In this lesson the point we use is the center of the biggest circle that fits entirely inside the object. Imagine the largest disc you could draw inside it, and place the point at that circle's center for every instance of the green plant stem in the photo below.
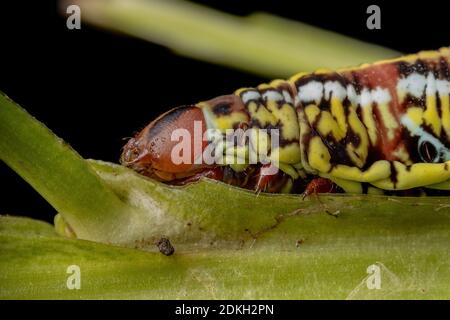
(260, 43)
(305, 258)
(58, 173)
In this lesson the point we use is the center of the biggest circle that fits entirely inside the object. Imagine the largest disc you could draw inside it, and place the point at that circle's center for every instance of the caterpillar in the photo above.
(377, 128)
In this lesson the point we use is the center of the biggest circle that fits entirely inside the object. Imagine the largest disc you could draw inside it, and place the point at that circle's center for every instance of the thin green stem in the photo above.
(261, 43)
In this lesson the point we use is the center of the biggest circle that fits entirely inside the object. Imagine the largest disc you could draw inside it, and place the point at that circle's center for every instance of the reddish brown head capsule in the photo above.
(150, 151)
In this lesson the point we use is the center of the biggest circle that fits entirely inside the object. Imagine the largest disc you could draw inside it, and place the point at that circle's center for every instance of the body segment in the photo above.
(381, 126)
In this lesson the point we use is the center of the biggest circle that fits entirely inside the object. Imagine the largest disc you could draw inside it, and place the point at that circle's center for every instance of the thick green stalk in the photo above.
(58, 173)
(261, 43)
(309, 257)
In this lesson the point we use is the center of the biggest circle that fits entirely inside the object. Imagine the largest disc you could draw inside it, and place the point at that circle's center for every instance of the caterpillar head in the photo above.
(155, 151)
(150, 152)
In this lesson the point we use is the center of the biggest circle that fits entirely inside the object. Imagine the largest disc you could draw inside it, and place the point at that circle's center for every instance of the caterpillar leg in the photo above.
(267, 181)
(320, 185)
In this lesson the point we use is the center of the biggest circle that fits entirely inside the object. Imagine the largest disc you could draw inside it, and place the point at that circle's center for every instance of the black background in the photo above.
(283, 309)
(94, 88)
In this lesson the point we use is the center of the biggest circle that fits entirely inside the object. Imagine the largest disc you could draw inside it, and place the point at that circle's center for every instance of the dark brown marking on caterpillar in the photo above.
(405, 69)
(393, 175)
(168, 117)
(222, 109)
(444, 68)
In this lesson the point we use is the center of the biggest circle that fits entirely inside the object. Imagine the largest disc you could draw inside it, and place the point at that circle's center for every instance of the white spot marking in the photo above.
(250, 95)
(287, 97)
(366, 98)
(335, 89)
(431, 85)
(312, 91)
(272, 95)
(413, 84)
(354, 98)
(443, 87)
(381, 95)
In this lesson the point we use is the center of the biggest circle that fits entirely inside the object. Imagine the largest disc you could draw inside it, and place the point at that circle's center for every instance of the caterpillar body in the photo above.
(377, 128)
